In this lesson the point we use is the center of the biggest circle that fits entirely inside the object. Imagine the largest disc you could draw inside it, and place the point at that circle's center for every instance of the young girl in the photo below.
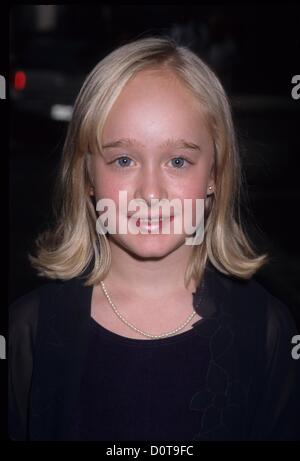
(139, 335)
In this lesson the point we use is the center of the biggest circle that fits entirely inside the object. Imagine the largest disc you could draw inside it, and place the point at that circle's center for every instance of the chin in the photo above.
(151, 245)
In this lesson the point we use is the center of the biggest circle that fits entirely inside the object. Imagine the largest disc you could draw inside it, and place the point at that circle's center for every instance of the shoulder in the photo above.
(249, 302)
(56, 300)
(262, 326)
(23, 312)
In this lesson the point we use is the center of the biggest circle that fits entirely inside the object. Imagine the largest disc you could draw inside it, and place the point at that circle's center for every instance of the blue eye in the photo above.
(125, 161)
(178, 160)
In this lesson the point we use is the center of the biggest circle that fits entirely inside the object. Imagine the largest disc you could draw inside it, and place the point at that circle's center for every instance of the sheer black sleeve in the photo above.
(23, 318)
(277, 414)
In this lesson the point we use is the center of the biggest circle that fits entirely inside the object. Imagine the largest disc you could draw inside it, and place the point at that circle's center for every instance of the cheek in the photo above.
(108, 186)
(106, 190)
(194, 187)
(192, 191)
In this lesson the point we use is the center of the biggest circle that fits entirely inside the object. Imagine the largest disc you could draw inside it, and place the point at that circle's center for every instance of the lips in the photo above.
(149, 222)
(153, 219)
(153, 223)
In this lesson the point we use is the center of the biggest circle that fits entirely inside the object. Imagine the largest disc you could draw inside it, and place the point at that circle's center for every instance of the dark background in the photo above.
(255, 50)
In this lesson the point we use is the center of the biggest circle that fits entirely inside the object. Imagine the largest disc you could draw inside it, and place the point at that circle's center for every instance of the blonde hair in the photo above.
(74, 245)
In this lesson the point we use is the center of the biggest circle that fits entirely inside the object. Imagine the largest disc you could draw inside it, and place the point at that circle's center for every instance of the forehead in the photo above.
(155, 105)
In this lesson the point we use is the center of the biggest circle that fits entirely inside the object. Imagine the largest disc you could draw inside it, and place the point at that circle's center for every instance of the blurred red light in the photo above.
(20, 80)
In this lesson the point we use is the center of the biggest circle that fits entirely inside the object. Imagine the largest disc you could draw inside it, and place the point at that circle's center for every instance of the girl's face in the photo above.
(151, 119)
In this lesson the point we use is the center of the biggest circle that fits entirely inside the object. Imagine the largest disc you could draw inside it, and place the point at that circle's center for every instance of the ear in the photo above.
(210, 188)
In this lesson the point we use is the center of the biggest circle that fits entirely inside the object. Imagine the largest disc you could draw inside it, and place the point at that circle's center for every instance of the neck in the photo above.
(151, 277)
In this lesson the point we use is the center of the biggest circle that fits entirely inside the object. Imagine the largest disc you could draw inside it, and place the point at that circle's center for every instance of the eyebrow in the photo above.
(176, 143)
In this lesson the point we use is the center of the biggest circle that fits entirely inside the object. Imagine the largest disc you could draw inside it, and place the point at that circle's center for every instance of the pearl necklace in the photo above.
(163, 335)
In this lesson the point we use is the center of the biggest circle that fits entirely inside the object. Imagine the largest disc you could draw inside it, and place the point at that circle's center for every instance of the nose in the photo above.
(150, 185)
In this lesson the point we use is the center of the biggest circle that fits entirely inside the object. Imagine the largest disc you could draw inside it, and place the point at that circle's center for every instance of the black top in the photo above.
(133, 384)
(231, 377)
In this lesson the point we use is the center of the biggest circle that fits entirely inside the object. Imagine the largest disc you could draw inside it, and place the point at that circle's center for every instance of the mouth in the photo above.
(155, 222)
